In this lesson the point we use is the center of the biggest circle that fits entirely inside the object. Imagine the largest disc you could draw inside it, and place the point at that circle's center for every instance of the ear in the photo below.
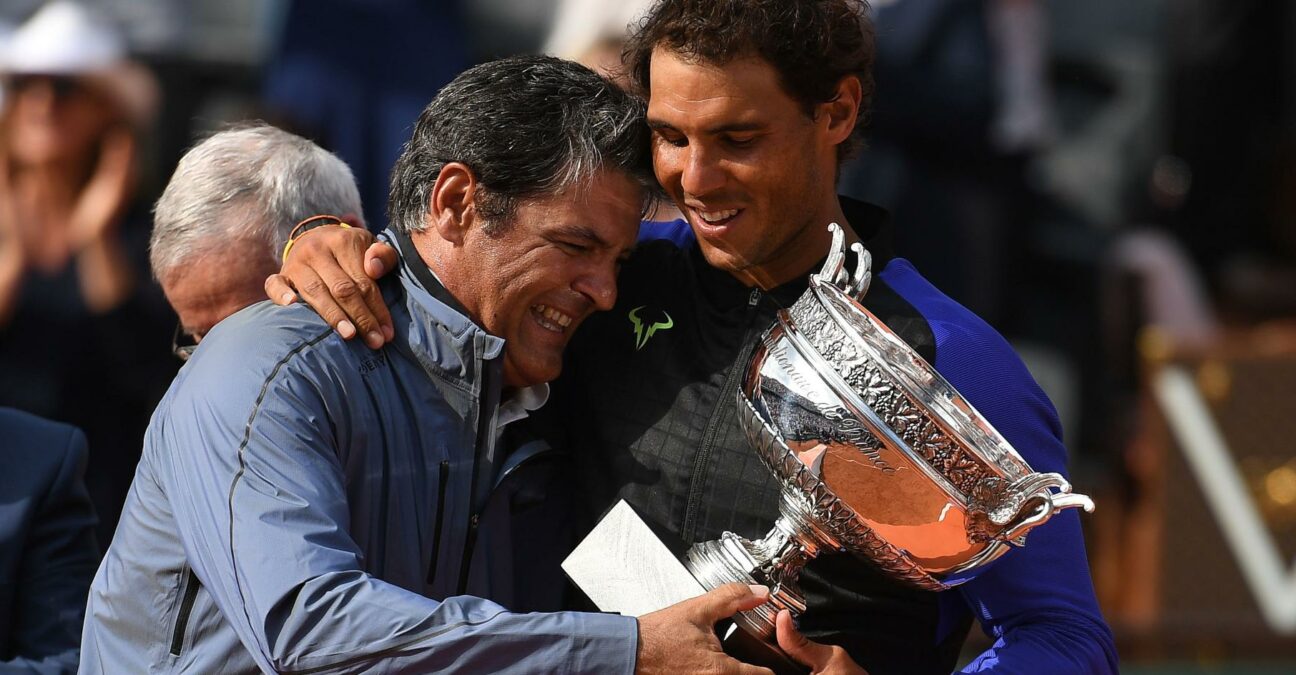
(841, 113)
(450, 207)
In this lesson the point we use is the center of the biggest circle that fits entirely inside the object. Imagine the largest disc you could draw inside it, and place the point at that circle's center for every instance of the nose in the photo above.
(701, 172)
(599, 284)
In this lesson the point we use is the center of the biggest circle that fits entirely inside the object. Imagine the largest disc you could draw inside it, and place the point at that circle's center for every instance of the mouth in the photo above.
(714, 219)
(550, 318)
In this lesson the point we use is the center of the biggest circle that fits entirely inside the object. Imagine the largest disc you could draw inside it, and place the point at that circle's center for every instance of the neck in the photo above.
(429, 247)
(800, 255)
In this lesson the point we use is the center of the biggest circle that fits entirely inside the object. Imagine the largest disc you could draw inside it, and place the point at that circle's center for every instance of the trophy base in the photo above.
(733, 559)
(624, 567)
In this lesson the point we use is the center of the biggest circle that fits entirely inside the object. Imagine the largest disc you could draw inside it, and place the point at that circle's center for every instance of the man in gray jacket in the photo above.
(304, 504)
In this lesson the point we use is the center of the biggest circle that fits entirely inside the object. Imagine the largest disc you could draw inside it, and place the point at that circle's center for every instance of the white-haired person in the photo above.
(222, 222)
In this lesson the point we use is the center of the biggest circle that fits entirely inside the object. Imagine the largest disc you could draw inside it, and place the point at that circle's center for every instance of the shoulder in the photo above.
(39, 458)
(261, 340)
(31, 441)
(654, 261)
(984, 368)
(263, 356)
(25, 430)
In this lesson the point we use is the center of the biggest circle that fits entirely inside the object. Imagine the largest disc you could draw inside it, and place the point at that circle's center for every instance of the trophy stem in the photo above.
(775, 561)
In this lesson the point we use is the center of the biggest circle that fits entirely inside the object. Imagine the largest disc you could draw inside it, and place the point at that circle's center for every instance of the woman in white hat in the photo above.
(72, 104)
(79, 324)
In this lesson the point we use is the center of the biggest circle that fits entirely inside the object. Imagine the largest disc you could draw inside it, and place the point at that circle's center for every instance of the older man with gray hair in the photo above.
(226, 214)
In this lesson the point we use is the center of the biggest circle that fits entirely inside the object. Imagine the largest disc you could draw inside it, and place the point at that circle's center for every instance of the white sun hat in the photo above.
(66, 38)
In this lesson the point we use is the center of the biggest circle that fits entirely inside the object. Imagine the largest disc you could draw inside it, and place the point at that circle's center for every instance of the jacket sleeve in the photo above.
(58, 560)
(257, 488)
(1036, 602)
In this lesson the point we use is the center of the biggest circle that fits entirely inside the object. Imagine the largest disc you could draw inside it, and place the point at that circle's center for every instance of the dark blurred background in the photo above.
(1111, 184)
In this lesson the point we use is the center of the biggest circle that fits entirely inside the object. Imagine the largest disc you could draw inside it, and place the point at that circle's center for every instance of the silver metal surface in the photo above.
(877, 454)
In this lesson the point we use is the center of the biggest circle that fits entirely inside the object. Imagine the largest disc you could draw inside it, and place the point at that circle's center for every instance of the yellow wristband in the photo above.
(307, 226)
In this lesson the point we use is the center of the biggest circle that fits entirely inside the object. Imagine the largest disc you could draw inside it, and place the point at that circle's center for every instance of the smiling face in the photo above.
(534, 281)
(751, 171)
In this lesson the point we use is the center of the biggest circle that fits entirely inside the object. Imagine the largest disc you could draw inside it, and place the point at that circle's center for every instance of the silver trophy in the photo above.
(877, 454)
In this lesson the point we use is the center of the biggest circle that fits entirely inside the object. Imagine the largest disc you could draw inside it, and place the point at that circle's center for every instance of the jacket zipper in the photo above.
(186, 608)
(443, 481)
(483, 428)
(469, 542)
(703, 459)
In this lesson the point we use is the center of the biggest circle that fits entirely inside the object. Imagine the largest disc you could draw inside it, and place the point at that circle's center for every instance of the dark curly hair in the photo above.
(527, 126)
(812, 44)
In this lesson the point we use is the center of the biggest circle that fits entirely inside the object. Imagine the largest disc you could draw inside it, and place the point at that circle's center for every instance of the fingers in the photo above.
(380, 258)
(278, 290)
(728, 600)
(801, 649)
(352, 295)
(821, 659)
(360, 297)
(315, 291)
(327, 267)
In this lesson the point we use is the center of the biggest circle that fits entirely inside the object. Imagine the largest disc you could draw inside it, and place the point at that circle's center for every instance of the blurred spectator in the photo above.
(929, 159)
(351, 75)
(78, 333)
(1230, 143)
(47, 544)
(593, 33)
(225, 216)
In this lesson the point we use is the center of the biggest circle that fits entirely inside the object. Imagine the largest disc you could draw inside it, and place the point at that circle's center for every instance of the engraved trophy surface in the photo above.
(876, 453)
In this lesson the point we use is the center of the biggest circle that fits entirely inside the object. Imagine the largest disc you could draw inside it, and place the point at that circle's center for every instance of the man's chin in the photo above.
(722, 257)
(522, 375)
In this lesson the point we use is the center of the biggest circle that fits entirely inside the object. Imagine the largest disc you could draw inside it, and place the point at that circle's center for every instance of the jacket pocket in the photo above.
(190, 594)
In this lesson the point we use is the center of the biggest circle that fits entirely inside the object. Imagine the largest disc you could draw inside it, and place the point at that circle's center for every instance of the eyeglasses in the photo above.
(62, 87)
(183, 344)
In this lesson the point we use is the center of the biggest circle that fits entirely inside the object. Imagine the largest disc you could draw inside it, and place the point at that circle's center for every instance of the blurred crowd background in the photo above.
(1111, 184)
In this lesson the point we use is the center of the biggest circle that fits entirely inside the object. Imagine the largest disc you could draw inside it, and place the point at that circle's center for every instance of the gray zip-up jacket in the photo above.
(304, 505)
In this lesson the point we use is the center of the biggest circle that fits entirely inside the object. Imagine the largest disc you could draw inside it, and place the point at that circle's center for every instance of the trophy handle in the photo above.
(1026, 503)
(834, 271)
(1045, 508)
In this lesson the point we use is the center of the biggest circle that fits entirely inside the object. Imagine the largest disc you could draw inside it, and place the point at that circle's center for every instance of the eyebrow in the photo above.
(719, 129)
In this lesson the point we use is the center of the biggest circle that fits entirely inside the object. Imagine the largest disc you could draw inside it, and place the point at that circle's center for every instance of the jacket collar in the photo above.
(438, 320)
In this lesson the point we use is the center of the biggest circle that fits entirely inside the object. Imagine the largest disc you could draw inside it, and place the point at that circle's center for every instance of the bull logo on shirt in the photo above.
(644, 333)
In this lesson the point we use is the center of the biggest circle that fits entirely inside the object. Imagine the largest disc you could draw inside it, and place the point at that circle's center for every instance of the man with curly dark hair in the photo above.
(753, 104)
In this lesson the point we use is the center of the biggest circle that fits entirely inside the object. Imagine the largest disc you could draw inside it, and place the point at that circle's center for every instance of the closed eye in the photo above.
(740, 141)
(676, 140)
(572, 248)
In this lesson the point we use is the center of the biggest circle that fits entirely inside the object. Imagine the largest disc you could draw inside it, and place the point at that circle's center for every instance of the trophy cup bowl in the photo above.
(877, 454)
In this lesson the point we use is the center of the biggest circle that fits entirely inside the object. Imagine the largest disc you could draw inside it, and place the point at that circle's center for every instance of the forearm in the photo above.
(1058, 644)
(350, 621)
(10, 287)
(105, 275)
(1038, 603)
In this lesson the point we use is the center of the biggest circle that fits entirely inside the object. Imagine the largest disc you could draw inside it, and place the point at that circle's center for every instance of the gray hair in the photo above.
(247, 184)
(527, 126)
